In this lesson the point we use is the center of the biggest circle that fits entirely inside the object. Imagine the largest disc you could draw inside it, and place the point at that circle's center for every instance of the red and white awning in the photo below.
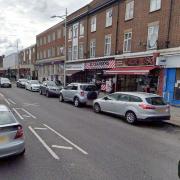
(138, 70)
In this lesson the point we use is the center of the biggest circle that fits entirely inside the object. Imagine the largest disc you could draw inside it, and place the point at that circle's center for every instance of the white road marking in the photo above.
(62, 147)
(54, 155)
(18, 114)
(11, 101)
(34, 117)
(25, 115)
(7, 102)
(28, 104)
(38, 128)
(1, 95)
(67, 140)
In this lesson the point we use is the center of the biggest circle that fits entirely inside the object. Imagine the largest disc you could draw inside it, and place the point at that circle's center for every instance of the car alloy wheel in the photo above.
(97, 108)
(76, 102)
(61, 99)
(131, 117)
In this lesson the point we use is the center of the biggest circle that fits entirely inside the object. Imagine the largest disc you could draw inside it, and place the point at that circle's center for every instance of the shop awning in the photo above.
(138, 70)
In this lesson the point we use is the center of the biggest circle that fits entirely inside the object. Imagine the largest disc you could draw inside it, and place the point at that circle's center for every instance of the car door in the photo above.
(73, 92)
(66, 92)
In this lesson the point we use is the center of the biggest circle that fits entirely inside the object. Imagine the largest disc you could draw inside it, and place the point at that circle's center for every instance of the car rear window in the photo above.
(6, 118)
(88, 88)
(157, 101)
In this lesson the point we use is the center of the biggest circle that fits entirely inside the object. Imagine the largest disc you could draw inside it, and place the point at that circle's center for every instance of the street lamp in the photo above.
(64, 17)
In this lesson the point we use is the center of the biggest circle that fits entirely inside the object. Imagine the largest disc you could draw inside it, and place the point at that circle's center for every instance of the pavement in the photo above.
(68, 143)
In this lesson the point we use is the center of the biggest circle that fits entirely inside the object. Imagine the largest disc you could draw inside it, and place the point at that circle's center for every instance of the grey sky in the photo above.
(22, 20)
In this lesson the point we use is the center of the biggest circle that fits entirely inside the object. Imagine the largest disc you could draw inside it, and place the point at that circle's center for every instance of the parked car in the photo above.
(78, 93)
(50, 88)
(5, 82)
(11, 134)
(134, 106)
(21, 83)
(32, 85)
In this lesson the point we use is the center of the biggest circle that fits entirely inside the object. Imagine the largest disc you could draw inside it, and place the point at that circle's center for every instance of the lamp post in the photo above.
(64, 17)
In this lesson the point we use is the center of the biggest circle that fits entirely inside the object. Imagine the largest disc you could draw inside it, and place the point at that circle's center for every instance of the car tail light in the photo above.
(19, 133)
(146, 106)
(82, 93)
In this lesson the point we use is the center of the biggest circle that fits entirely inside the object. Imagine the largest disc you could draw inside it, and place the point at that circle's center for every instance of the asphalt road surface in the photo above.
(68, 143)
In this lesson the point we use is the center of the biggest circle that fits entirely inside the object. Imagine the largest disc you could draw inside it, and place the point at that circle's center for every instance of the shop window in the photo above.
(129, 10)
(107, 45)
(155, 5)
(109, 18)
(153, 31)
(127, 42)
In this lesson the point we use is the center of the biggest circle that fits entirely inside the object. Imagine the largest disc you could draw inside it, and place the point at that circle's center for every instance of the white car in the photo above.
(5, 82)
(32, 85)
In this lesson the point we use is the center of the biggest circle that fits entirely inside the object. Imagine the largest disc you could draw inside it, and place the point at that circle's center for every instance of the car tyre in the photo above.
(97, 108)
(61, 99)
(76, 102)
(131, 117)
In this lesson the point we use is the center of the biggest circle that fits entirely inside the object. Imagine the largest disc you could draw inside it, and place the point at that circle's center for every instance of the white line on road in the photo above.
(62, 147)
(38, 128)
(7, 102)
(54, 155)
(1, 95)
(29, 113)
(18, 114)
(11, 101)
(67, 140)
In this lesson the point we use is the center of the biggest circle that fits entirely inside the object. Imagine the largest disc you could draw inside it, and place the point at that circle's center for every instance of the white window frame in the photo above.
(70, 53)
(153, 33)
(127, 41)
(109, 15)
(75, 52)
(129, 13)
(107, 45)
(81, 50)
(70, 33)
(155, 5)
(93, 24)
(81, 29)
(92, 48)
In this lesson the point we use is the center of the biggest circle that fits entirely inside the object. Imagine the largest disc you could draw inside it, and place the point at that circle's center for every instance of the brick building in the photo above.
(27, 60)
(51, 53)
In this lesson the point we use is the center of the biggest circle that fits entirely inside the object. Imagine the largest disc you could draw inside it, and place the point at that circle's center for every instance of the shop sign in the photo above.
(100, 64)
(140, 61)
(72, 67)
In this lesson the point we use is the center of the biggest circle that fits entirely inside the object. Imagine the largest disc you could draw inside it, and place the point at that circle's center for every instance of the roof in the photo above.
(3, 108)
(141, 94)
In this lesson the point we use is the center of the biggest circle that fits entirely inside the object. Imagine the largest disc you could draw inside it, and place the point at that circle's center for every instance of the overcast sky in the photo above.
(22, 20)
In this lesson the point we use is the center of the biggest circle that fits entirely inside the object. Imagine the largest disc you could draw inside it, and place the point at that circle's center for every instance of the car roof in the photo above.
(81, 84)
(140, 94)
(3, 108)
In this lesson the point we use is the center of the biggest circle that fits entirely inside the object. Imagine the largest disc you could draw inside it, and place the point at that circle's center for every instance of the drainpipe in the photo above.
(117, 28)
(169, 24)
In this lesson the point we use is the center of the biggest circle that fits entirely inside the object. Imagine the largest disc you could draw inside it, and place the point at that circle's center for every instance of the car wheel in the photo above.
(97, 108)
(61, 99)
(47, 94)
(23, 152)
(76, 102)
(131, 117)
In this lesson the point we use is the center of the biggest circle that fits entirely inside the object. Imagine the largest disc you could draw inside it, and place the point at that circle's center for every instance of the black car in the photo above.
(21, 83)
(50, 88)
(5, 82)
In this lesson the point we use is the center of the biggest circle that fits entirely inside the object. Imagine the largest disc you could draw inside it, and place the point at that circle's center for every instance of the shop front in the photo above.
(171, 90)
(137, 74)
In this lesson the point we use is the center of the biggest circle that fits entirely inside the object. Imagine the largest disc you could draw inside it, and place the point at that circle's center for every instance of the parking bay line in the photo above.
(28, 113)
(67, 140)
(11, 101)
(7, 101)
(53, 154)
(62, 147)
(18, 114)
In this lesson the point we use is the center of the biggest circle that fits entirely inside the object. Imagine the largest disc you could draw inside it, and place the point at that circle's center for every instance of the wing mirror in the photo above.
(106, 98)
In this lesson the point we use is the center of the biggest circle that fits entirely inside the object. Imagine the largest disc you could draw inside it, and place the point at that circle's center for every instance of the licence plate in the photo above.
(162, 110)
(3, 139)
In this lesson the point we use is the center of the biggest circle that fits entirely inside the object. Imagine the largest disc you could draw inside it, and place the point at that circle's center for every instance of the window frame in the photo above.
(129, 12)
(93, 48)
(93, 24)
(81, 29)
(126, 41)
(156, 8)
(107, 44)
(109, 19)
(81, 53)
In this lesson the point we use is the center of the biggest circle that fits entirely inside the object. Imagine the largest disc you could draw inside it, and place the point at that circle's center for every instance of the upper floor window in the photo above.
(81, 29)
(44, 53)
(44, 40)
(129, 10)
(54, 36)
(75, 52)
(37, 42)
(153, 30)
(70, 33)
(107, 45)
(155, 5)
(109, 18)
(93, 24)
(49, 53)
(49, 38)
(40, 41)
(93, 48)
(75, 30)
(69, 53)
(59, 33)
(53, 51)
(81, 51)
(127, 41)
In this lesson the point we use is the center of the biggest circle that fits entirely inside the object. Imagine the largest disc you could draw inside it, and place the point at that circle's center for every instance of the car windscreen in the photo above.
(6, 118)
(156, 101)
(88, 87)
(34, 82)
(5, 80)
(23, 80)
(52, 83)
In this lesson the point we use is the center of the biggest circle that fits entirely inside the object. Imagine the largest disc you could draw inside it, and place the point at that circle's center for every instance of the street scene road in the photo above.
(65, 142)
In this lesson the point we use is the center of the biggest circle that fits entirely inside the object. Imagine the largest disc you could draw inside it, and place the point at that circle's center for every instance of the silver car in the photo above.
(32, 85)
(134, 106)
(78, 93)
(11, 134)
